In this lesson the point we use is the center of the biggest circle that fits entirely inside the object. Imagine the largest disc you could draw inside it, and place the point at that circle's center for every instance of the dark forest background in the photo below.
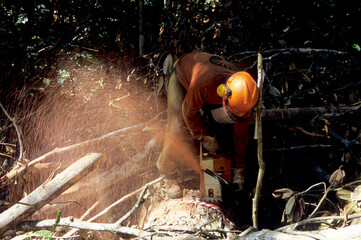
(34, 32)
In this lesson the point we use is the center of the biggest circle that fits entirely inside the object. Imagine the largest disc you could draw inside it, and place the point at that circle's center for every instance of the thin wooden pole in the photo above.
(258, 135)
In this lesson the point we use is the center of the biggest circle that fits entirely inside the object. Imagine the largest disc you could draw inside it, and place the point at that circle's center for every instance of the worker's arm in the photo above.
(192, 103)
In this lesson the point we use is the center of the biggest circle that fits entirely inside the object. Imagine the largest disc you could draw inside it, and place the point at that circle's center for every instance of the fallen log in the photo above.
(303, 113)
(349, 232)
(47, 191)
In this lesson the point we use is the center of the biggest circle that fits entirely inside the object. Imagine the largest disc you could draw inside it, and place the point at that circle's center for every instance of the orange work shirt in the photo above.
(200, 74)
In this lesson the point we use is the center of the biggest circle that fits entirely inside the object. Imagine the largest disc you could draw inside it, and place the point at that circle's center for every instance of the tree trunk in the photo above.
(303, 113)
(141, 35)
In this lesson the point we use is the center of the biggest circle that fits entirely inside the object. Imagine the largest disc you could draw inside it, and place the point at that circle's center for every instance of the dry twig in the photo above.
(106, 210)
(136, 206)
(17, 132)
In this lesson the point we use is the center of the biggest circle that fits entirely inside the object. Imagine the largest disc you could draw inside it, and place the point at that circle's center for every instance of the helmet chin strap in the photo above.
(231, 115)
(228, 93)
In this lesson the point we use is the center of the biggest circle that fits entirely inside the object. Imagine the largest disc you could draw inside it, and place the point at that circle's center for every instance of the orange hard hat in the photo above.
(241, 94)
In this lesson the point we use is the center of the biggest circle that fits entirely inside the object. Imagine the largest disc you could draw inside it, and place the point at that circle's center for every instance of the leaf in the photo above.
(274, 91)
(290, 206)
(305, 77)
(9, 150)
(160, 85)
(349, 207)
(167, 65)
(57, 220)
(357, 47)
(282, 193)
(356, 194)
(344, 194)
(337, 177)
(42, 233)
(292, 66)
(298, 211)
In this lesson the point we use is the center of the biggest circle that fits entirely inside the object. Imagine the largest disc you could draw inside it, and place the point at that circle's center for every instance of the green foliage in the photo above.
(33, 32)
(357, 47)
(57, 220)
(45, 234)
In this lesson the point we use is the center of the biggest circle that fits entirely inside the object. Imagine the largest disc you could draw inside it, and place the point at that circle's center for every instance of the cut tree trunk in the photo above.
(48, 191)
(304, 113)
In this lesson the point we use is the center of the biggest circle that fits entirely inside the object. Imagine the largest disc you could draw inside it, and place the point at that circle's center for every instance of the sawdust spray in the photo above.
(82, 102)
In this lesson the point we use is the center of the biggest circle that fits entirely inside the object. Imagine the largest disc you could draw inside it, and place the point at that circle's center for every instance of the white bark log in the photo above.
(350, 232)
(48, 191)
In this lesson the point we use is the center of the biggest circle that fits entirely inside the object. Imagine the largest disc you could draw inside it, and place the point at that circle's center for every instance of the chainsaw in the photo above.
(217, 170)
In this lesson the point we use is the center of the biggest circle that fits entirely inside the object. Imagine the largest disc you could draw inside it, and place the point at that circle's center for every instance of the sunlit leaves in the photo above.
(43, 234)
(356, 195)
(344, 194)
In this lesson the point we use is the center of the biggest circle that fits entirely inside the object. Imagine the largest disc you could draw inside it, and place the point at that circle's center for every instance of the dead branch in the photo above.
(190, 229)
(6, 155)
(283, 51)
(89, 210)
(6, 179)
(321, 201)
(17, 132)
(48, 191)
(258, 131)
(106, 210)
(350, 232)
(308, 133)
(72, 222)
(302, 147)
(136, 206)
(123, 199)
(8, 144)
(124, 232)
(318, 220)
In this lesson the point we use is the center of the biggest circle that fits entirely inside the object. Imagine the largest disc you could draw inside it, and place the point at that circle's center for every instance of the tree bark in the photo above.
(141, 35)
(305, 113)
(290, 114)
(48, 191)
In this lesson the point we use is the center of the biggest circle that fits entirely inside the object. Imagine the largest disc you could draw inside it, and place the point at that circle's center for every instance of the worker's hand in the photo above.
(211, 144)
(238, 178)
